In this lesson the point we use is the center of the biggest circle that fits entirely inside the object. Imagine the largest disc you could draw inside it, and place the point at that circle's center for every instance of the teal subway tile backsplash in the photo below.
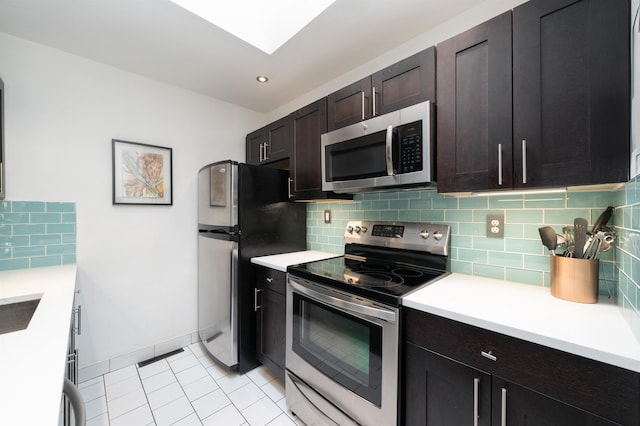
(35, 234)
(519, 256)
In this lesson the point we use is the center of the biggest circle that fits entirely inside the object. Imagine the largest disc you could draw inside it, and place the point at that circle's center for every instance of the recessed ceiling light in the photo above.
(262, 78)
(263, 24)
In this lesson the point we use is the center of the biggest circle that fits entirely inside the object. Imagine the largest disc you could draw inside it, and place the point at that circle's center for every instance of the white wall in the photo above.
(136, 264)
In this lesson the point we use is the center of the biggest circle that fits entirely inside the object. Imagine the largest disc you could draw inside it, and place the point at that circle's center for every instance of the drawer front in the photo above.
(605, 390)
(272, 279)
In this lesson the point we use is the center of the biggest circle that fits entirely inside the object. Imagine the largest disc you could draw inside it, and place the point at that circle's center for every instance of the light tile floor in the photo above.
(186, 389)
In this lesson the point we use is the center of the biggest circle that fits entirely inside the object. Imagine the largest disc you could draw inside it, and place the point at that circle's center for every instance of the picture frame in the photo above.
(142, 173)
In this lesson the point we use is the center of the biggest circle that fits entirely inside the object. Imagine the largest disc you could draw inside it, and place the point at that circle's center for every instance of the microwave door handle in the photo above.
(389, 147)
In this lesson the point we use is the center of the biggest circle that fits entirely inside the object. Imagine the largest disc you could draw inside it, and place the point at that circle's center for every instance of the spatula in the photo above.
(580, 235)
(549, 238)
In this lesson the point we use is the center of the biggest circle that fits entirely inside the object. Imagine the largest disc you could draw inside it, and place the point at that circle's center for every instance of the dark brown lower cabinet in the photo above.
(270, 319)
(457, 374)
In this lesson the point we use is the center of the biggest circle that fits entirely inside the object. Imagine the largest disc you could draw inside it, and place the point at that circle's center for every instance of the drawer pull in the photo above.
(489, 355)
(476, 410)
(269, 279)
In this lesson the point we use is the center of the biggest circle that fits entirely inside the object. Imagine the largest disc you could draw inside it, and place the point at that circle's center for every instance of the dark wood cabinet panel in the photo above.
(571, 92)
(308, 124)
(270, 144)
(439, 391)
(584, 384)
(474, 108)
(555, 114)
(523, 407)
(405, 83)
(270, 319)
(349, 105)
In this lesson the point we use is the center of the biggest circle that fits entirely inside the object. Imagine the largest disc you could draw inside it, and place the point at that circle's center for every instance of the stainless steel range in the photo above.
(343, 321)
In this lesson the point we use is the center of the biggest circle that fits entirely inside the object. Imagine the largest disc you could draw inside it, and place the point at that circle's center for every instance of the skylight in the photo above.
(266, 24)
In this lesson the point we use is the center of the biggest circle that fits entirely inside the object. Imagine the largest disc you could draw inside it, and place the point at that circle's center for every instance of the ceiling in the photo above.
(160, 40)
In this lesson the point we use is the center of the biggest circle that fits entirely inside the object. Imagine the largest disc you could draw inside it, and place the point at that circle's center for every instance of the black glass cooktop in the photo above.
(381, 280)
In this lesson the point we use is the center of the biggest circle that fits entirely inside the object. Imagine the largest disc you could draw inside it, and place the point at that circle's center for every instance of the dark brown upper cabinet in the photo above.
(402, 84)
(556, 113)
(308, 124)
(270, 144)
(571, 92)
(474, 119)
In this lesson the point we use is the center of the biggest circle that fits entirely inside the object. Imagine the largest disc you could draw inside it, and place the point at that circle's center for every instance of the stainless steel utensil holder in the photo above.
(574, 279)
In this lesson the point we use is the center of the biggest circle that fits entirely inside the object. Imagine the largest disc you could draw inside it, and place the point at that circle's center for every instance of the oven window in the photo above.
(343, 347)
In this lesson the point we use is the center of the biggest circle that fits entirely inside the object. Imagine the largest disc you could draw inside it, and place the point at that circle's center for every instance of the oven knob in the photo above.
(437, 235)
(358, 229)
(364, 229)
(424, 234)
(350, 229)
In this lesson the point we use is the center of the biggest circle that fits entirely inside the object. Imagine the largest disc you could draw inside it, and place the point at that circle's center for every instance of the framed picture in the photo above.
(142, 174)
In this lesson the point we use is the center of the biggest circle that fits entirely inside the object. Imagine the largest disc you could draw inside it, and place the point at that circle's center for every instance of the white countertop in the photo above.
(597, 331)
(33, 361)
(280, 262)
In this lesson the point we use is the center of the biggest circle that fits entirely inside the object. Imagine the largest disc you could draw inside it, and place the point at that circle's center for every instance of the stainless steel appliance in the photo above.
(243, 212)
(343, 322)
(390, 150)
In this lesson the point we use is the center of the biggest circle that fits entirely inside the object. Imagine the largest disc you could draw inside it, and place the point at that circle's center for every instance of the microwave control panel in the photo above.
(410, 145)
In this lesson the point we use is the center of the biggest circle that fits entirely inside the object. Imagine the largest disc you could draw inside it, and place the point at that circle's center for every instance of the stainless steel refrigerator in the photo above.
(243, 212)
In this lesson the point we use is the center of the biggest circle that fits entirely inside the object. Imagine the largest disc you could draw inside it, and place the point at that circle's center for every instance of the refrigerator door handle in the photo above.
(234, 298)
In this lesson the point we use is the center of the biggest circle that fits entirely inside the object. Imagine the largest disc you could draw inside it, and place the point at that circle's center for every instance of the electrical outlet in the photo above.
(327, 216)
(495, 226)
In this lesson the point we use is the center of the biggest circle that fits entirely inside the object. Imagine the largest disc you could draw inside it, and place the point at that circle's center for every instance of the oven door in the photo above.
(342, 356)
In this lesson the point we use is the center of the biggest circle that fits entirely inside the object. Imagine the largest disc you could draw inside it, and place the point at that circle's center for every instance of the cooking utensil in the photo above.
(580, 235)
(596, 242)
(549, 238)
(602, 220)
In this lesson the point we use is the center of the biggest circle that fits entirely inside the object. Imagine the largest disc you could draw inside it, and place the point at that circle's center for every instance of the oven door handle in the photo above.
(369, 311)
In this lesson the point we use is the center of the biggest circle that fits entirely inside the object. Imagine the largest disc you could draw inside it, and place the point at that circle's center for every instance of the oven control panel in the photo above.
(427, 237)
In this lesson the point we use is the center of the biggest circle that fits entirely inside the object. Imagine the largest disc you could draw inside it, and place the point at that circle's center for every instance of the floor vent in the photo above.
(159, 357)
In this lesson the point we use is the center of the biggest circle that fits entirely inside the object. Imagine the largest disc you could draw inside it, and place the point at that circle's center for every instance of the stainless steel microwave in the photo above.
(387, 151)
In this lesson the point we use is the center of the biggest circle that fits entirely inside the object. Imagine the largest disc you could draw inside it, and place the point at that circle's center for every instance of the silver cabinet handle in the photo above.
(269, 279)
(476, 391)
(266, 150)
(260, 155)
(363, 117)
(389, 147)
(373, 104)
(500, 164)
(289, 187)
(255, 299)
(524, 161)
(503, 413)
(489, 355)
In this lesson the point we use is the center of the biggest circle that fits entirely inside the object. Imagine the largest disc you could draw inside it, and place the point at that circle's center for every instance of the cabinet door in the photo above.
(474, 115)
(255, 146)
(279, 137)
(349, 105)
(405, 83)
(571, 86)
(308, 124)
(439, 391)
(517, 406)
(272, 331)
